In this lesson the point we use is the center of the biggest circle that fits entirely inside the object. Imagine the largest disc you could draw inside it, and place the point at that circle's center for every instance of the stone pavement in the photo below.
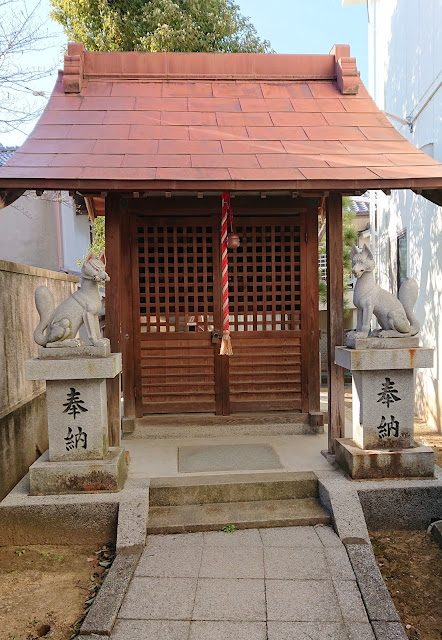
(293, 583)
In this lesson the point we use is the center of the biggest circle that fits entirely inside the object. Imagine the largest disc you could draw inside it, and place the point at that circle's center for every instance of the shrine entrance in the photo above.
(178, 319)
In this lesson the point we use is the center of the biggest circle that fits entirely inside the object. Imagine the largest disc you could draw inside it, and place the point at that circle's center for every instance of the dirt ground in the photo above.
(431, 438)
(43, 590)
(411, 565)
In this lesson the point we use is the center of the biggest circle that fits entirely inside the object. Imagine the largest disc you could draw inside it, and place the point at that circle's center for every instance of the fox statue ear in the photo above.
(367, 251)
(89, 258)
(354, 251)
(102, 259)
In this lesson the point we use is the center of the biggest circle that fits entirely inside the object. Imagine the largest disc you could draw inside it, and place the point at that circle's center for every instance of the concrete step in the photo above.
(230, 488)
(209, 425)
(244, 515)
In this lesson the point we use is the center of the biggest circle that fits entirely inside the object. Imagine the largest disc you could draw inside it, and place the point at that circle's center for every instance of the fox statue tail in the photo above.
(44, 301)
(407, 295)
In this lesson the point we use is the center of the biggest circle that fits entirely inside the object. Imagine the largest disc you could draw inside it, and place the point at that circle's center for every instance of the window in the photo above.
(401, 259)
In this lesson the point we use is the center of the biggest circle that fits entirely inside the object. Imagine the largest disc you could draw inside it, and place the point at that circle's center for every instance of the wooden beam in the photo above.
(113, 311)
(335, 318)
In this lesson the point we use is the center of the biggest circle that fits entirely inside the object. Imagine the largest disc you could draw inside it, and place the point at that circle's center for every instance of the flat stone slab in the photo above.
(74, 368)
(83, 351)
(417, 462)
(240, 457)
(80, 476)
(232, 488)
(383, 359)
(382, 343)
(244, 515)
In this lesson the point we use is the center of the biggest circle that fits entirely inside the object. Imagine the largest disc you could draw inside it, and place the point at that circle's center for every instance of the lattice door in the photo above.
(177, 275)
(265, 295)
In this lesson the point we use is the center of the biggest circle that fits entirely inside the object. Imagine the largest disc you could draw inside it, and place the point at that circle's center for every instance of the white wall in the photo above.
(28, 232)
(408, 61)
(75, 231)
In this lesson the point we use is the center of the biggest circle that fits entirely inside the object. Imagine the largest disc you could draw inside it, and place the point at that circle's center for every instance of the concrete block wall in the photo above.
(23, 419)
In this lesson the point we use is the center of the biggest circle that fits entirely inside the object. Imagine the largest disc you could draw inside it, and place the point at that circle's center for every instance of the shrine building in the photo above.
(160, 144)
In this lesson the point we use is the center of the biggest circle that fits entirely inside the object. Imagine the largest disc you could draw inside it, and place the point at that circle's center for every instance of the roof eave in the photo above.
(216, 185)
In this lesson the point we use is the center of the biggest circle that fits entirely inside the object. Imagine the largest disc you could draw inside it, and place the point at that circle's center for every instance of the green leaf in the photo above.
(158, 25)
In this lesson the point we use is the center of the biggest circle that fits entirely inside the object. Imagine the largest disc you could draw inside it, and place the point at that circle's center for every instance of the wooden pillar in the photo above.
(126, 310)
(335, 319)
(312, 301)
(113, 311)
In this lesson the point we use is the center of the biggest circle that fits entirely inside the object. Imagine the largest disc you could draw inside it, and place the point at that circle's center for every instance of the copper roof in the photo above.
(215, 121)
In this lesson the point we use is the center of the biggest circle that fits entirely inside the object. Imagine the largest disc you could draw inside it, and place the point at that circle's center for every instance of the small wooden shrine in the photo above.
(153, 141)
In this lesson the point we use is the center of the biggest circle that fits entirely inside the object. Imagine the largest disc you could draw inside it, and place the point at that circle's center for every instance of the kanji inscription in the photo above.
(388, 429)
(74, 406)
(388, 395)
(76, 440)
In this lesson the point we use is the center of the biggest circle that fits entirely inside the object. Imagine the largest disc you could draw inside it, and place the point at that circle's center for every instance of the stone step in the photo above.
(208, 425)
(250, 487)
(244, 515)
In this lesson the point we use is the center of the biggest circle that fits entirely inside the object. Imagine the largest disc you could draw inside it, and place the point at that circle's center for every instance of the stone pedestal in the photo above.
(79, 457)
(383, 409)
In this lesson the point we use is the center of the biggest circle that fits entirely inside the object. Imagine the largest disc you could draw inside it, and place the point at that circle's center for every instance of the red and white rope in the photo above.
(225, 348)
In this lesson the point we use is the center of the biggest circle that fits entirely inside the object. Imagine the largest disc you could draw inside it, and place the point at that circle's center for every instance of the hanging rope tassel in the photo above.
(226, 345)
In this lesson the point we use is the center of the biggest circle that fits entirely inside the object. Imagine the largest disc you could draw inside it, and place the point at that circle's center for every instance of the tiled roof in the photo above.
(359, 204)
(6, 153)
(235, 121)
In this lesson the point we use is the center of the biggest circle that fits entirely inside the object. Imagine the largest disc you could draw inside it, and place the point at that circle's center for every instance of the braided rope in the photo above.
(226, 348)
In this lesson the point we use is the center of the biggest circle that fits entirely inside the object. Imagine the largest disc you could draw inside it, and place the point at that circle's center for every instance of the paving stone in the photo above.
(230, 599)
(302, 601)
(327, 536)
(241, 538)
(227, 457)
(389, 631)
(104, 610)
(174, 540)
(159, 598)
(377, 600)
(290, 537)
(339, 564)
(132, 518)
(359, 631)
(306, 631)
(225, 562)
(295, 564)
(181, 562)
(150, 630)
(350, 601)
(227, 630)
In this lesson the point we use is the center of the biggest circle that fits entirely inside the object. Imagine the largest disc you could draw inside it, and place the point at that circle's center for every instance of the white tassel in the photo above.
(226, 345)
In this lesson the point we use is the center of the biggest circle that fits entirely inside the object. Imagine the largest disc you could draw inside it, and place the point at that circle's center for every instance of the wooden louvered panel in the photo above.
(177, 261)
(265, 373)
(178, 278)
(178, 379)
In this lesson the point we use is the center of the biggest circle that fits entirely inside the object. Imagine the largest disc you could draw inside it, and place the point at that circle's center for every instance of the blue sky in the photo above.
(292, 26)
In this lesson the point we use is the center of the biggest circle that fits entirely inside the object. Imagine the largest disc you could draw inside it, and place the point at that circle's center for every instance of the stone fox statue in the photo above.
(83, 306)
(395, 315)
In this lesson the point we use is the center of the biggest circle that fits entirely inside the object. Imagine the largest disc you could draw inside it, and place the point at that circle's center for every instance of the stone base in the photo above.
(82, 351)
(417, 462)
(381, 343)
(82, 476)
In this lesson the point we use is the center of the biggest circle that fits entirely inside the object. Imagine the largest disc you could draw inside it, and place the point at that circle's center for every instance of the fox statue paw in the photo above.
(357, 334)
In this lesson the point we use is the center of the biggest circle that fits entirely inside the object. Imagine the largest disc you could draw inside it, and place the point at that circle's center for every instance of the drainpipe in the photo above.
(58, 220)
